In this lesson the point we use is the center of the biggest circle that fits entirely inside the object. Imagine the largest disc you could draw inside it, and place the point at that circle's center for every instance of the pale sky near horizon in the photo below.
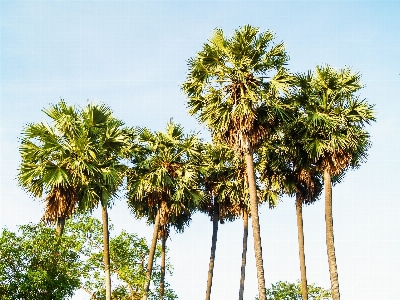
(132, 55)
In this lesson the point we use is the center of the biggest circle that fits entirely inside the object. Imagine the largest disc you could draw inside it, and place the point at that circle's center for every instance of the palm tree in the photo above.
(163, 184)
(108, 141)
(75, 162)
(284, 160)
(228, 92)
(333, 134)
(237, 193)
(218, 172)
(225, 184)
(244, 253)
(48, 164)
(308, 187)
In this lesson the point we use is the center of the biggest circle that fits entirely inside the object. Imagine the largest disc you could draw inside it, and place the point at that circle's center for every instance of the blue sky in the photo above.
(132, 55)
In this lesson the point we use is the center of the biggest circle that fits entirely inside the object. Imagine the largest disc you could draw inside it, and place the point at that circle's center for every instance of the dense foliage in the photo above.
(284, 290)
(37, 263)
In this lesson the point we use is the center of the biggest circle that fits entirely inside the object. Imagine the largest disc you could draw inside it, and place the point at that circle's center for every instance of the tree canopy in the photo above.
(36, 263)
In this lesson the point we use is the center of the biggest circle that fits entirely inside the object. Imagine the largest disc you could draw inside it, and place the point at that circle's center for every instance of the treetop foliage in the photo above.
(37, 263)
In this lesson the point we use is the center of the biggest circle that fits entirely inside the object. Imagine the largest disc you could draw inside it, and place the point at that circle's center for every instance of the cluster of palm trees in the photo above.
(273, 133)
(300, 129)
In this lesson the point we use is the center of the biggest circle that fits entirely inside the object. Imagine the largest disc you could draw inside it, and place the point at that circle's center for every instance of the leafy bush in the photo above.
(283, 290)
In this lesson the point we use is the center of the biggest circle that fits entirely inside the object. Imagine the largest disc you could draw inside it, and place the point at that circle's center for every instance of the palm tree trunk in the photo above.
(106, 257)
(213, 249)
(300, 232)
(132, 295)
(243, 268)
(162, 279)
(329, 236)
(60, 226)
(256, 225)
(151, 256)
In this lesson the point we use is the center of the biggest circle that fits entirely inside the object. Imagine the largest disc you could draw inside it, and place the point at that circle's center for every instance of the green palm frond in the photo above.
(227, 85)
(165, 172)
(78, 152)
(331, 117)
(224, 181)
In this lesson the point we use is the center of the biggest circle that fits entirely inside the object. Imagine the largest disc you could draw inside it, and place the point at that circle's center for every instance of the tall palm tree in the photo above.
(109, 141)
(235, 196)
(244, 253)
(225, 183)
(75, 161)
(237, 192)
(163, 184)
(308, 187)
(48, 165)
(218, 171)
(284, 161)
(333, 134)
(228, 91)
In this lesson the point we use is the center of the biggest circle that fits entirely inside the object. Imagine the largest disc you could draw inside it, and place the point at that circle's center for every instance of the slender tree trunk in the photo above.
(132, 296)
(60, 226)
(162, 279)
(151, 256)
(256, 225)
(106, 257)
(243, 268)
(300, 232)
(92, 295)
(329, 236)
(213, 249)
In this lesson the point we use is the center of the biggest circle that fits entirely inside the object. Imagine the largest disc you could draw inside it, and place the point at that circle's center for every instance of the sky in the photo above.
(132, 55)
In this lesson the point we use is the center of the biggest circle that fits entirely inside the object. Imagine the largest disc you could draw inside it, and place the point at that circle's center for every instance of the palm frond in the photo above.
(225, 84)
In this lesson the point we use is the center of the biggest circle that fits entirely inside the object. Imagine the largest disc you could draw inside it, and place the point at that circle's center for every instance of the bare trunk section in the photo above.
(162, 279)
(330, 245)
(244, 253)
(213, 249)
(106, 251)
(300, 232)
(151, 256)
(256, 225)
(60, 226)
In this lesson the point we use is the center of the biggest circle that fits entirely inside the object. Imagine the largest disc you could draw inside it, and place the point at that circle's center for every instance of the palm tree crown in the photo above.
(74, 160)
(228, 88)
(334, 117)
(50, 164)
(165, 173)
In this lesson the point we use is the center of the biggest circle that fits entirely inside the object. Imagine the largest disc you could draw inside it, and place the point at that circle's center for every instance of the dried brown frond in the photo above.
(164, 213)
(60, 203)
(164, 221)
(336, 161)
(163, 229)
(244, 133)
(234, 210)
(308, 188)
(171, 168)
(153, 199)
